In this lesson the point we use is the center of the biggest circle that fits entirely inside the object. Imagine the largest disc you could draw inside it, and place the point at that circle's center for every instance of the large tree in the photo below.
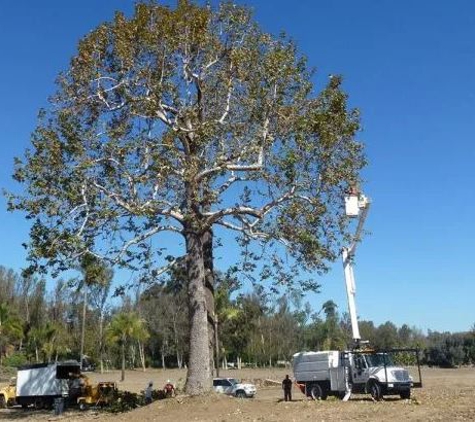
(183, 122)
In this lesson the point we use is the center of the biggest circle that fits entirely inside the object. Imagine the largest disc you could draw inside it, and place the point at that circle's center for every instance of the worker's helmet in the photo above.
(168, 381)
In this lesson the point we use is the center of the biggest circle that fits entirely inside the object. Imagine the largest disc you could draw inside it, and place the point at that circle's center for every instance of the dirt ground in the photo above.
(447, 395)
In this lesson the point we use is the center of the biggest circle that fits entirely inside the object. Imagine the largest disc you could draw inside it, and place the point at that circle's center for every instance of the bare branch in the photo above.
(135, 209)
(228, 96)
(86, 205)
(139, 239)
(258, 213)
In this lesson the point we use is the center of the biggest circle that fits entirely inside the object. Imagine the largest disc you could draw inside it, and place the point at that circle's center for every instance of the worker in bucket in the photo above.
(287, 387)
(148, 393)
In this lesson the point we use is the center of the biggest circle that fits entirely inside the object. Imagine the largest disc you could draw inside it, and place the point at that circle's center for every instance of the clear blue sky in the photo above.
(408, 65)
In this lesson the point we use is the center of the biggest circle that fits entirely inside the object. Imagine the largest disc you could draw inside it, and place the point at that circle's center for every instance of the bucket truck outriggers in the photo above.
(359, 369)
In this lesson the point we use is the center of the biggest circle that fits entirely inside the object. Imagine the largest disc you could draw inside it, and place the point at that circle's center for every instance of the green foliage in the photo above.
(162, 113)
(405, 358)
(126, 326)
(256, 327)
(15, 360)
(11, 329)
(124, 401)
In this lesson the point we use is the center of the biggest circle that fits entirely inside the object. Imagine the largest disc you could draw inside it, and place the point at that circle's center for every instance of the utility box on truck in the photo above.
(40, 384)
(320, 374)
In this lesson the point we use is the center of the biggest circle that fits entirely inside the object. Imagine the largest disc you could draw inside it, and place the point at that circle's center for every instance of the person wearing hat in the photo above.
(169, 389)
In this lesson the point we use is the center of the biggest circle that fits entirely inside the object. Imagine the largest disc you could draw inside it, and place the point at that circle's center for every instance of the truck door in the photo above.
(359, 370)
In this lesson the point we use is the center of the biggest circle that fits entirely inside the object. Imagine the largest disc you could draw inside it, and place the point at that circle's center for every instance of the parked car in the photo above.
(233, 387)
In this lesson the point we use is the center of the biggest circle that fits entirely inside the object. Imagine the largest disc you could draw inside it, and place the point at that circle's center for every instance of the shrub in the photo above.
(15, 360)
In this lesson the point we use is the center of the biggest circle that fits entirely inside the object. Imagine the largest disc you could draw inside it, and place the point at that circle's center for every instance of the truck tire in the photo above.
(376, 391)
(406, 394)
(240, 394)
(317, 392)
(83, 406)
(39, 404)
(3, 403)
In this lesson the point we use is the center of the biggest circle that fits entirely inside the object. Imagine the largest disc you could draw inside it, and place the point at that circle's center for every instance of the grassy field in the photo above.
(447, 395)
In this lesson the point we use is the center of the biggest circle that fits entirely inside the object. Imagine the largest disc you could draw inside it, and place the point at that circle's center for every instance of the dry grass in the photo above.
(448, 395)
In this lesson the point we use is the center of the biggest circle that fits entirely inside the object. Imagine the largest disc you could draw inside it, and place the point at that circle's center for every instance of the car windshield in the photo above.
(233, 381)
(379, 359)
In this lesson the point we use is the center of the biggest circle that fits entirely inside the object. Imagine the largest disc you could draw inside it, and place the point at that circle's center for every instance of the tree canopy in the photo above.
(180, 121)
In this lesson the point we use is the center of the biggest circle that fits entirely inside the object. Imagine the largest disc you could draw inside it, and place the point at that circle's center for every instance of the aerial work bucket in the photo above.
(352, 205)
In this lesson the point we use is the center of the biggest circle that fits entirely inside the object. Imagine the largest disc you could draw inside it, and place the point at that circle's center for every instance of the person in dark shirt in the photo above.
(287, 387)
(148, 393)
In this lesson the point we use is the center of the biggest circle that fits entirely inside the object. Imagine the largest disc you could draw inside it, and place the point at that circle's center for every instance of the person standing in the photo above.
(287, 387)
(148, 393)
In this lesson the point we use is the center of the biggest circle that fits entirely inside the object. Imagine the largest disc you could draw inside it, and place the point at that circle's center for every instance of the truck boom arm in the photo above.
(356, 206)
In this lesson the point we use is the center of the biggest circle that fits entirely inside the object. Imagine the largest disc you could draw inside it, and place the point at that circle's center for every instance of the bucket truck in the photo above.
(359, 369)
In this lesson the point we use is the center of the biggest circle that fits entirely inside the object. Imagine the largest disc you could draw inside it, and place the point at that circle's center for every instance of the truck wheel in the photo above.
(39, 404)
(406, 394)
(376, 391)
(317, 392)
(83, 406)
(240, 394)
(3, 403)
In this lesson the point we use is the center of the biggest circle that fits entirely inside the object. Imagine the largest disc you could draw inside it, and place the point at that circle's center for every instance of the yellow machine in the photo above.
(8, 394)
(100, 394)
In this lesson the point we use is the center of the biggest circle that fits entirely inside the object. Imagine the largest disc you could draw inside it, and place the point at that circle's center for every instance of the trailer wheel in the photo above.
(39, 404)
(406, 394)
(376, 391)
(317, 393)
(83, 406)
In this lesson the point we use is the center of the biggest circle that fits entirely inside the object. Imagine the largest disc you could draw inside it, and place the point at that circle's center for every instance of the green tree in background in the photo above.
(11, 330)
(184, 121)
(124, 328)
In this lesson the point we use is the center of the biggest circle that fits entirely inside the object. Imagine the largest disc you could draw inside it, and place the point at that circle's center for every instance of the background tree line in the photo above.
(150, 326)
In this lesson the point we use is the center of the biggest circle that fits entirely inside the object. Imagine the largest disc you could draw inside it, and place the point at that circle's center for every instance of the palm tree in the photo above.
(124, 328)
(96, 274)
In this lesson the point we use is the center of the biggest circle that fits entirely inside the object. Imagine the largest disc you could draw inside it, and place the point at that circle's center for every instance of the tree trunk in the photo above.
(132, 356)
(122, 352)
(162, 353)
(142, 354)
(101, 341)
(175, 339)
(199, 374)
(207, 240)
(83, 327)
